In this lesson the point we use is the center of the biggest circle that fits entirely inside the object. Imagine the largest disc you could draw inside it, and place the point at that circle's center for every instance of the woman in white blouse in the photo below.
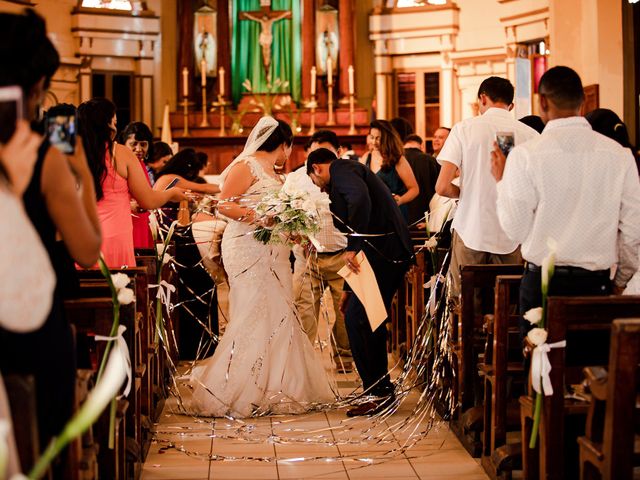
(25, 271)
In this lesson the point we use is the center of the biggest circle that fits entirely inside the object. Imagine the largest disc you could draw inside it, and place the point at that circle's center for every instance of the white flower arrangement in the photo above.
(294, 210)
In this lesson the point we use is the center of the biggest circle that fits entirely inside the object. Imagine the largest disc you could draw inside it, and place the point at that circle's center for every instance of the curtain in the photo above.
(246, 53)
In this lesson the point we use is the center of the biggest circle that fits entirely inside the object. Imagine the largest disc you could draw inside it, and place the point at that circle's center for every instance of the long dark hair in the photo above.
(608, 123)
(185, 164)
(94, 117)
(140, 132)
(391, 147)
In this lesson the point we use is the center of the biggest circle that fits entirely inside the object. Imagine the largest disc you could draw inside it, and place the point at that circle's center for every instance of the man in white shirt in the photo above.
(574, 186)
(478, 237)
(314, 271)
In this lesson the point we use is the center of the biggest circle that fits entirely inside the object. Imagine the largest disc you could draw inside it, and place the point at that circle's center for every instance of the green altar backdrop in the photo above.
(246, 54)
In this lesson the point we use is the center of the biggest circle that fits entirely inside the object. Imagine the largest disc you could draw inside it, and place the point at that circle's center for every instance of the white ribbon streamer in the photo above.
(124, 352)
(164, 294)
(541, 367)
(431, 284)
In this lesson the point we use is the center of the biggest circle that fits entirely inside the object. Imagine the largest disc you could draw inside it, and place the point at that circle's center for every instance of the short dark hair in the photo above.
(443, 128)
(533, 121)
(140, 132)
(26, 53)
(346, 145)
(413, 138)
(160, 149)
(319, 156)
(497, 89)
(403, 127)
(281, 134)
(185, 164)
(326, 136)
(562, 85)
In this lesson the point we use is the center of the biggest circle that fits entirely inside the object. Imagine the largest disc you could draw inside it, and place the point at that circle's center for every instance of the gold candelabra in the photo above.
(352, 115)
(205, 121)
(185, 116)
(331, 120)
(312, 121)
(221, 104)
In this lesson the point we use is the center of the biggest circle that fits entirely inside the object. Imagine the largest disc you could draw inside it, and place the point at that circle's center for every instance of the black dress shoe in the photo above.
(367, 408)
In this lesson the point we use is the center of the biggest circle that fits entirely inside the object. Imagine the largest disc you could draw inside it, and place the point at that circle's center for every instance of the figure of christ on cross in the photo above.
(266, 18)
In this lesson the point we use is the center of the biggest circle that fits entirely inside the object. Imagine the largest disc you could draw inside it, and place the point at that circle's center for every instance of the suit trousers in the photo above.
(312, 275)
(463, 255)
(369, 349)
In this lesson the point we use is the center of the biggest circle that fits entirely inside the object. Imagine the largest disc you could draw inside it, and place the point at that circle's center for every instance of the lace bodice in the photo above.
(263, 181)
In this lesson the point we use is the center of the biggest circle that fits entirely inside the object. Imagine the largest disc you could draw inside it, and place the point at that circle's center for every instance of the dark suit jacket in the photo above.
(363, 202)
(426, 172)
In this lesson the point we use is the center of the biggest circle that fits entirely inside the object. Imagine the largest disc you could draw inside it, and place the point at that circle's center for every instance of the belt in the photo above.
(326, 254)
(569, 271)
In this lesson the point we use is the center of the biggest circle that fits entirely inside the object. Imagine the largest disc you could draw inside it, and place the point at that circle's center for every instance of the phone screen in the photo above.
(505, 141)
(61, 130)
(172, 183)
(10, 111)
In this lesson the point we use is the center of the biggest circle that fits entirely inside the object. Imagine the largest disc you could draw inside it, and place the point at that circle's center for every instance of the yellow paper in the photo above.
(365, 287)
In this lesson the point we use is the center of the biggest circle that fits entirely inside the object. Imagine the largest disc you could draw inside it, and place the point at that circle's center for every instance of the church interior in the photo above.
(201, 74)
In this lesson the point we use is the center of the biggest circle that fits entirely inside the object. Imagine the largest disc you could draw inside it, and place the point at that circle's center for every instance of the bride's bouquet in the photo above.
(290, 213)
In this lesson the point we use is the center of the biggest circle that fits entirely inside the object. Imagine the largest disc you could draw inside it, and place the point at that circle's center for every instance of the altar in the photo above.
(290, 59)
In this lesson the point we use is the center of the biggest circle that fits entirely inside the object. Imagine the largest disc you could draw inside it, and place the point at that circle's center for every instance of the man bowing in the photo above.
(362, 204)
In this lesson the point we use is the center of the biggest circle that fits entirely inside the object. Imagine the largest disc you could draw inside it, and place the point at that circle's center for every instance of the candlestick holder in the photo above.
(312, 121)
(185, 116)
(221, 104)
(331, 120)
(205, 121)
(352, 115)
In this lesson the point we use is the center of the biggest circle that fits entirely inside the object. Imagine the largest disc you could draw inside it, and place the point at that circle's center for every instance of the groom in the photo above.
(362, 203)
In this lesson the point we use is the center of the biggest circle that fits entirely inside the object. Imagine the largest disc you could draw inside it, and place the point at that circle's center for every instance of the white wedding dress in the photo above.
(264, 362)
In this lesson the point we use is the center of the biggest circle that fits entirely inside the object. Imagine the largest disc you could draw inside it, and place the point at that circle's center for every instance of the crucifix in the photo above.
(266, 18)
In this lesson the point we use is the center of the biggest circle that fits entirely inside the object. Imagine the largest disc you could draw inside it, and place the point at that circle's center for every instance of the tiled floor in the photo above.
(323, 445)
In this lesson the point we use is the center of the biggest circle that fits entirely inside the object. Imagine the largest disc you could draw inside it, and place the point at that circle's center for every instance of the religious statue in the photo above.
(327, 47)
(266, 18)
(205, 41)
(206, 49)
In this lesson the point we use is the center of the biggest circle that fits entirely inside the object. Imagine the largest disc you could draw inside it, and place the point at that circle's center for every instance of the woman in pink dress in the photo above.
(117, 177)
(137, 137)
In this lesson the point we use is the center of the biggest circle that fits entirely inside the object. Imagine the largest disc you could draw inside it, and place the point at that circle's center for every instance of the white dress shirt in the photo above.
(579, 188)
(469, 146)
(331, 239)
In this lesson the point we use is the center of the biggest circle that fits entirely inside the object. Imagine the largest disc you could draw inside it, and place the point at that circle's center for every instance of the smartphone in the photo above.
(10, 111)
(505, 141)
(61, 128)
(172, 183)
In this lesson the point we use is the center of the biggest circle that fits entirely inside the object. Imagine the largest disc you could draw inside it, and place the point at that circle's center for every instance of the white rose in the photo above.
(297, 204)
(283, 196)
(120, 280)
(431, 243)
(534, 315)
(537, 336)
(126, 296)
(309, 206)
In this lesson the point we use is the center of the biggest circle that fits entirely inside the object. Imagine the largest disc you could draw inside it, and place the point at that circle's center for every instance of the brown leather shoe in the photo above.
(367, 408)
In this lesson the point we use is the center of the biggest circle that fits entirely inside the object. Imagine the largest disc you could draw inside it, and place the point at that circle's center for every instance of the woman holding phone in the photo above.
(117, 177)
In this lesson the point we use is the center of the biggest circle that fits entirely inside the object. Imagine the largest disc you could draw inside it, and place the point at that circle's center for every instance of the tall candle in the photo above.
(329, 71)
(351, 83)
(203, 72)
(313, 81)
(185, 82)
(221, 80)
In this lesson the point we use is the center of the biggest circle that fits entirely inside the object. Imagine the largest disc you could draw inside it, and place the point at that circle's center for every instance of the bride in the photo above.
(264, 363)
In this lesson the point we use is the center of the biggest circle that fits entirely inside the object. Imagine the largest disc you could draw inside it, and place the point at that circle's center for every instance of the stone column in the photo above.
(224, 46)
(446, 91)
(308, 45)
(347, 27)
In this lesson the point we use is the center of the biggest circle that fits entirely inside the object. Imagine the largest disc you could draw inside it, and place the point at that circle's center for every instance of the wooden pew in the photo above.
(607, 449)
(95, 316)
(503, 363)
(414, 298)
(21, 394)
(468, 340)
(585, 323)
